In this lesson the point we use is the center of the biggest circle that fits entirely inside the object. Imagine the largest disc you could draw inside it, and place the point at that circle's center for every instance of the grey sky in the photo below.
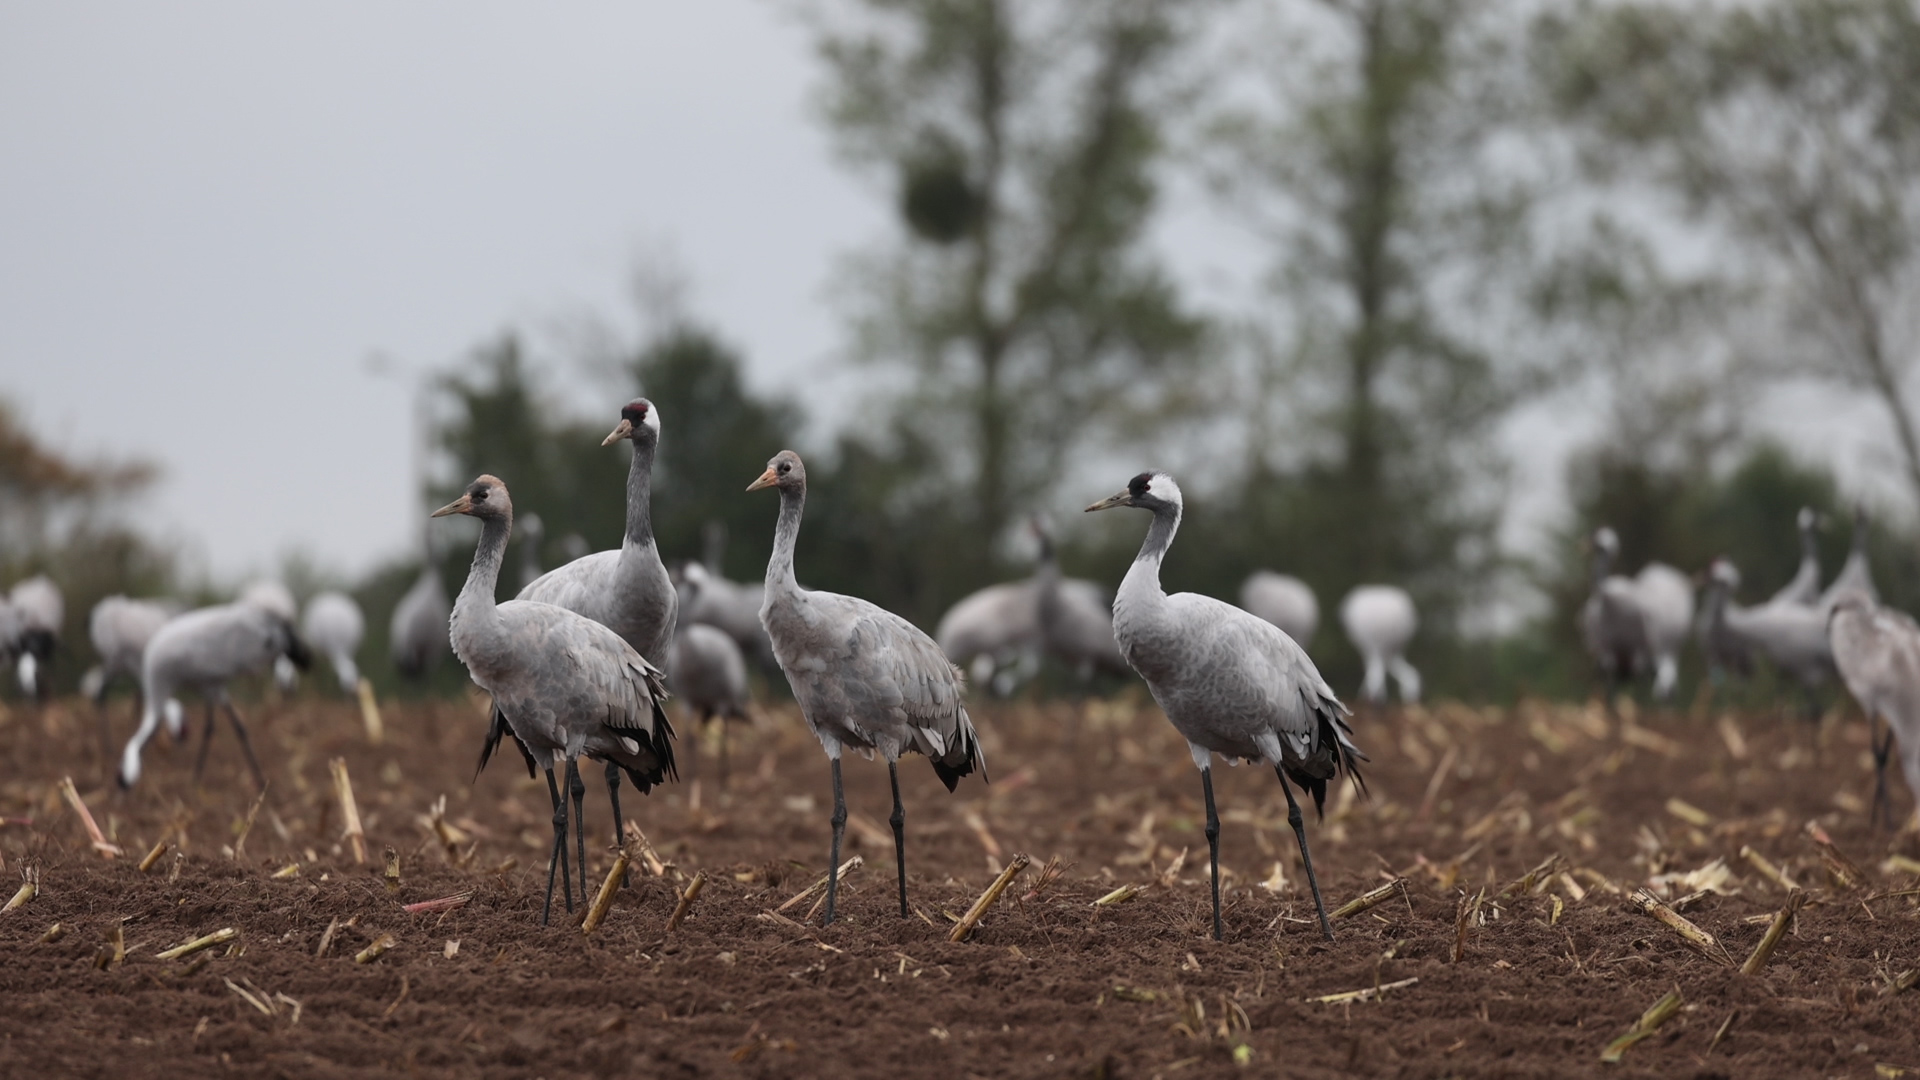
(215, 212)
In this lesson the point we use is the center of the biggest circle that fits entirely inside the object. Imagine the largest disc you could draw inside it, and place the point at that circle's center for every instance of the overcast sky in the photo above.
(215, 213)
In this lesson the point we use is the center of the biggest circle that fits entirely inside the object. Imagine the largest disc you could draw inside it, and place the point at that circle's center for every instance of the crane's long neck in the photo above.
(1142, 583)
(476, 604)
(785, 535)
(640, 496)
(1809, 551)
(1602, 565)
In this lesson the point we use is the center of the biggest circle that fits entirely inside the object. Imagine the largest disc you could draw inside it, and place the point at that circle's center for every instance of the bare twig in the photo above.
(101, 844)
(967, 922)
(1649, 1022)
(218, 937)
(240, 838)
(1701, 941)
(349, 810)
(1767, 869)
(686, 900)
(1770, 941)
(444, 903)
(153, 856)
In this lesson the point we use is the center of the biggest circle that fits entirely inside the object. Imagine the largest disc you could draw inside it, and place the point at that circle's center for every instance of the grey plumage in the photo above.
(627, 590)
(417, 631)
(864, 677)
(1856, 574)
(994, 633)
(333, 626)
(533, 532)
(202, 651)
(120, 629)
(564, 686)
(1792, 637)
(1877, 652)
(1231, 684)
(1380, 620)
(1804, 588)
(732, 607)
(40, 611)
(1076, 619)
(1283, 600)
(1636, 625)
(708, 675)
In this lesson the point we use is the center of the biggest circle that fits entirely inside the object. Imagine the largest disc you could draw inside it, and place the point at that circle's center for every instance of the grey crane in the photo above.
(1633, 625)
(864, 677)
(417, 632)
(1877, 651)
(994, 633)
(274, 596)
(533, 532)
(1804, 589)
(627, 590)
(1076, 619)
(333, 626)
(564, 686)
(732, 607)
(202, 651)
(42, 611)
(1856, 574)
(120, 630)
(708, 674)
(1231, 683)
(1380, 620)
(1283, 600)
(1792, 637)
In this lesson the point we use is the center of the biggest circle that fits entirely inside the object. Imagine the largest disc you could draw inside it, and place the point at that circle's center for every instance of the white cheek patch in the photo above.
(652, 420)
(1163, 486)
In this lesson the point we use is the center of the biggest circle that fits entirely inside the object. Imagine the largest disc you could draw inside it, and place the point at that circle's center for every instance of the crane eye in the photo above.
(785, 468)
(480, 495)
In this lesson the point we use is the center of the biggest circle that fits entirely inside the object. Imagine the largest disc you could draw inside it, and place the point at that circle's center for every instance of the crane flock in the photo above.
(570, 663)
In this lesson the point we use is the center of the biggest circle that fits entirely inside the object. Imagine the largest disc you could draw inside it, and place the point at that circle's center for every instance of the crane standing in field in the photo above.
(626, 590)
(1231, 683)
(731, 607)
(333, 626)
(1856, 574)
(42, 610)
(120, 630)
(1804, 588)
(203, 650)
(864, 677)
(1076, 618)
(1877, 650)
(564, 686)
(994, 633)
(1380, 620)
(417, 632)
(1792, 637)
(708, 673)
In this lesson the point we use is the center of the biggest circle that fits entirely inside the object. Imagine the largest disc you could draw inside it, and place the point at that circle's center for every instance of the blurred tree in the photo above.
(1022, 300)
(1790, 130)
(1372, 393)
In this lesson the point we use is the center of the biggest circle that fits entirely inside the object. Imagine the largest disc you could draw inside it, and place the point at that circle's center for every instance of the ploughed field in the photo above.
(1512, 946)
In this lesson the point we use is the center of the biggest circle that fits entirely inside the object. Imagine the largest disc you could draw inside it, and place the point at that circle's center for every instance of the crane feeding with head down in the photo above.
(1231, 683)
(864, 677)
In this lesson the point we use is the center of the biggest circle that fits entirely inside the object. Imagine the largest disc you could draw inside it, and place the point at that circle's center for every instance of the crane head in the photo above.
(1149, 491)
(484, 498)
(783, 470)
(639, 420)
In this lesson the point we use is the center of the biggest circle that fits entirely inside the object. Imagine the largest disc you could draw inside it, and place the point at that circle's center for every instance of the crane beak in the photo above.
(1124, 498)
(767, 479)
(624, 431)
(461, 505)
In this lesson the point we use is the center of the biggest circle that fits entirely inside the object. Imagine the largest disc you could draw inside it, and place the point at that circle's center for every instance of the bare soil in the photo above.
(1463, 803)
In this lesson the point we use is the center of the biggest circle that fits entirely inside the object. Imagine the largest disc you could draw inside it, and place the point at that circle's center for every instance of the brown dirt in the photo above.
(1049, 986)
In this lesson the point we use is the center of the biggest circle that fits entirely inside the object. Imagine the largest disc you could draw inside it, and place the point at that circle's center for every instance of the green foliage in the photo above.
(1021, 300)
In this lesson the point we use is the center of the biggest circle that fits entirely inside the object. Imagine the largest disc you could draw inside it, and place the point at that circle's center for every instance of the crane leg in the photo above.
(1882, 750)
(578, 788)
(899, 822)
(1300, 833)
(246, 745)
(206, 740)
(839, 821)
(1213, 847)
(613, 796)
(558, 859)
(723, 753)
